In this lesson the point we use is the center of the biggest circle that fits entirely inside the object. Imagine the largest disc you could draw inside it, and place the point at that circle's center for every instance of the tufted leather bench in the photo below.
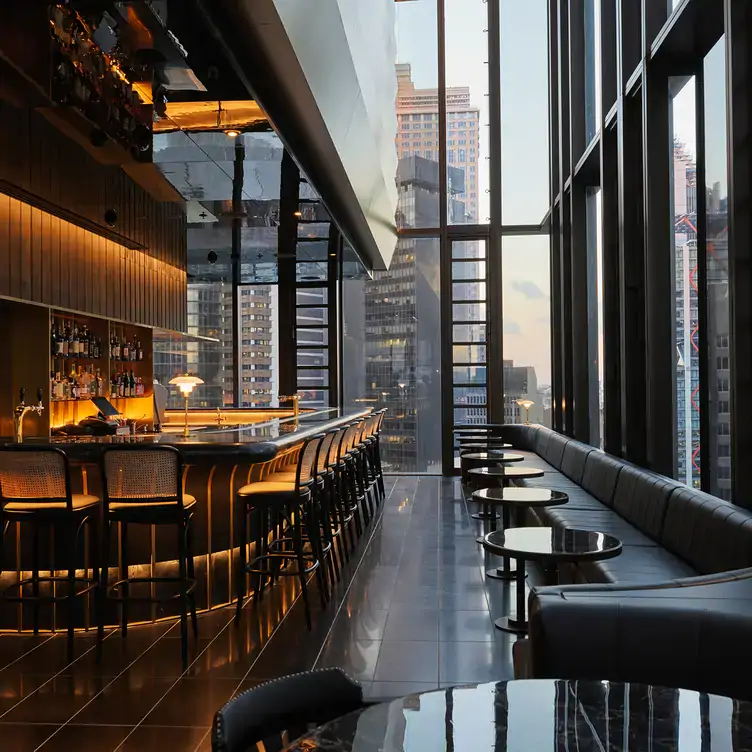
(673, 607)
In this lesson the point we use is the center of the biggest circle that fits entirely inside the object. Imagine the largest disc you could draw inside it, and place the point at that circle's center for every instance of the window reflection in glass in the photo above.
(595, 314)
(527, 327)
(391, 354)
(717, 271)
(592, 68)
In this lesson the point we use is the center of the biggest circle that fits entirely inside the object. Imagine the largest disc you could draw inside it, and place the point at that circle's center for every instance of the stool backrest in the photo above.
(381, 413)
(322, 455)
(140, 474)
(279, 711)
(334, 450)
(34, 475)
(307, 460)
(348, 442)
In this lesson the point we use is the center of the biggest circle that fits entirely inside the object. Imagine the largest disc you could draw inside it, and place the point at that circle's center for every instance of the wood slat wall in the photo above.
(51, 260)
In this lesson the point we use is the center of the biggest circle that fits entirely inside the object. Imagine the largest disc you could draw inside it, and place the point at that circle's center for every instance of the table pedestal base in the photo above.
(503, 574)
(485, 516)
(508, 624)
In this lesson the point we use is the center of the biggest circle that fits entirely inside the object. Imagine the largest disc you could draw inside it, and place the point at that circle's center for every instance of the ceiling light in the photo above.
(232, 133)
(297, 214)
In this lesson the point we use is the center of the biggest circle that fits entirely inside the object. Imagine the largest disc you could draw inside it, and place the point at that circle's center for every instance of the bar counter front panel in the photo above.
(217, 461)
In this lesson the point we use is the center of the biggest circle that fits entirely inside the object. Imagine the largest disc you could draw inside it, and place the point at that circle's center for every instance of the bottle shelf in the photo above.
(87, 358)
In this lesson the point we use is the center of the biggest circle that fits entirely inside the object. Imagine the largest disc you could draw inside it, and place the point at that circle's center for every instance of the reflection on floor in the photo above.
(414, 612)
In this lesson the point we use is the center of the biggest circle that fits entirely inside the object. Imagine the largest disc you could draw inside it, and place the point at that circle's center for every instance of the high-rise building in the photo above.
(402, 311)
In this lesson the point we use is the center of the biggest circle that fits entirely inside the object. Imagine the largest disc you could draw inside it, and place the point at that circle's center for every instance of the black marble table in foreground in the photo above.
(541, 715)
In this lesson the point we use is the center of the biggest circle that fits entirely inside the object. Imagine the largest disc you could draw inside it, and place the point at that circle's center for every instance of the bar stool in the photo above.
(143, 485)
(35, 489)
(340, 492)
(276, 502)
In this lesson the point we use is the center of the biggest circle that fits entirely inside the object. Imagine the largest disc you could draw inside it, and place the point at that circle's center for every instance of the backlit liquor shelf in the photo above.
(93, 357)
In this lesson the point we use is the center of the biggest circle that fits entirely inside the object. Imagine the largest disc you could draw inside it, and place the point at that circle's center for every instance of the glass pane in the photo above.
(527, 327)
(313, 229)
(468, 270)
(524, 111)
(470, 416)
(310, 379)
(469, 374)
(469, 249)
(469, 311)
(259, 351)
(313, 358)
(311, 272)
(308, 316)
(313, 398)
(470, 395)
(417, 138)
(391, 354)
(469, 333)
(719, 325)
(312, 337)
(592, 68)
(469, 353)
(469, 291)
(684, 199)
(317, 250)
(311, 296)
(467, 111)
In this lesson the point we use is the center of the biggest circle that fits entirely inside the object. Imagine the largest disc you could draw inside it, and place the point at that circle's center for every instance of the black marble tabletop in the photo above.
(519, 496)
(507, 472)
(492, 456)
(552, 543)
(541, 715)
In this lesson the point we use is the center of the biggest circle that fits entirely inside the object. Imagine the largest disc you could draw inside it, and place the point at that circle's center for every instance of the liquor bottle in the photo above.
(66, 344)
(126, 347)
(132, 385)
(113, 387)
(133, 349)
(139, 350)
(58, 342)
(85, 342)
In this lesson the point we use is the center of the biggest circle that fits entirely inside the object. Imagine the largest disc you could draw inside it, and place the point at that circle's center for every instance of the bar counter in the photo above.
(218, 459)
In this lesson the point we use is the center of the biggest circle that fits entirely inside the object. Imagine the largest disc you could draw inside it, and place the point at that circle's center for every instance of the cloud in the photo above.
(527, 288)
(511, 327)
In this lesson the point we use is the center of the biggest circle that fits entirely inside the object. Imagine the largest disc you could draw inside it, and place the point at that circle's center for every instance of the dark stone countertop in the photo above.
(256, 442)
(541, 715)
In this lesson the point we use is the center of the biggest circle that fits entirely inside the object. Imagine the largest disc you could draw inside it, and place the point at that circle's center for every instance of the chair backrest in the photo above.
(34, 475)
(139, 474)
(382, 414)
(284, 707)
(348, 441)
(307, 459)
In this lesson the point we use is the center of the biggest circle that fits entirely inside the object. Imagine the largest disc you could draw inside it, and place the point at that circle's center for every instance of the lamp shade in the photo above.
(526, 403)
(186, 383)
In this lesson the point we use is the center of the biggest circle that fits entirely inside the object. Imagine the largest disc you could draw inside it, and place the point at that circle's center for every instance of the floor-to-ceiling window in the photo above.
(686, 285)
(719, 349)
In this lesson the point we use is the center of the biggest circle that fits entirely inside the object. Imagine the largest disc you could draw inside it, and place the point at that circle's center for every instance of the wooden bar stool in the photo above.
(35, 490)
(143, 485)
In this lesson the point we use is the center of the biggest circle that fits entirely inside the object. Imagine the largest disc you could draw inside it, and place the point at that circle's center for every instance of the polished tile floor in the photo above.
(413, 612)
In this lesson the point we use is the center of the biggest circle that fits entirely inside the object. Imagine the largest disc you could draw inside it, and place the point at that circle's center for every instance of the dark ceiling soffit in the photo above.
(265, 50)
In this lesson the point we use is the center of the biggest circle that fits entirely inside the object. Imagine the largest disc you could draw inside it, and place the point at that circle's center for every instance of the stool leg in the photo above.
(71, 595)
(298, 543)
(191, 574)
(183, 574)
(242, 528)
(99, 570)
(125, 588)
(35, 576)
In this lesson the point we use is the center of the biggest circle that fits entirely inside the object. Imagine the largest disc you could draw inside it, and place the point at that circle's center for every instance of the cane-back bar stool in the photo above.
(35, 490)
(279, 503)
(143, 485)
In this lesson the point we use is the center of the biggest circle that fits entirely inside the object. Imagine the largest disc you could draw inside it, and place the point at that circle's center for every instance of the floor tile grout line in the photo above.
(377, 522)
(111, 682)
(53, 677)
(28, 652)
(203, 739)
(399, 562)
(241, 681)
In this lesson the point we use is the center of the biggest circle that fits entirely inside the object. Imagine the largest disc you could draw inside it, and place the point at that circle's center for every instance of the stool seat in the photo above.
(149, 504)
(79, 501)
